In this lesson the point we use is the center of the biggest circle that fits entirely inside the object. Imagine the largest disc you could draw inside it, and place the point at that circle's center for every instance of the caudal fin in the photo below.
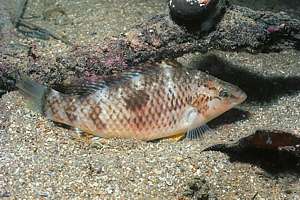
(34, 92)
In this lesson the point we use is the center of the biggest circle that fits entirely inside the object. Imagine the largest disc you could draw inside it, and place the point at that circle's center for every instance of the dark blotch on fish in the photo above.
(136, 100)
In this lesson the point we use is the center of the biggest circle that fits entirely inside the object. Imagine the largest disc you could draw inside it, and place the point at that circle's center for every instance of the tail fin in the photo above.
(34, 91)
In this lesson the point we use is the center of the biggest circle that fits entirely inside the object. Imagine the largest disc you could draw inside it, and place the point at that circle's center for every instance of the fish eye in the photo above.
(224, 93)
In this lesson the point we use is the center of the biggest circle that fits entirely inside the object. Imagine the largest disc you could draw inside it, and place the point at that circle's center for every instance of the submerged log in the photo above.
(240, 29)
(234, 29)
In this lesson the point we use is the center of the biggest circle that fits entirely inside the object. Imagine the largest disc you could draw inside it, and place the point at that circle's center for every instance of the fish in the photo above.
(162, 100)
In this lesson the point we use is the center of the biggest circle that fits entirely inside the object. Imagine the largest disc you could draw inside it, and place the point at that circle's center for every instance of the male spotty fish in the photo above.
(158, 101)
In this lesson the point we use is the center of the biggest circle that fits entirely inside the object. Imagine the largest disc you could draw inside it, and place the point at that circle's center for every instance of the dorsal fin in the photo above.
(86, 87)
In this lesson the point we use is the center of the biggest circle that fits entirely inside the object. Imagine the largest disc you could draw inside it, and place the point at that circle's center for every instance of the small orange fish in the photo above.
(155, 102)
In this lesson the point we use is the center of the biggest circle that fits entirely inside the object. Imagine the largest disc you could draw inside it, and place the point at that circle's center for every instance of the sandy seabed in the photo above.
(40, 160)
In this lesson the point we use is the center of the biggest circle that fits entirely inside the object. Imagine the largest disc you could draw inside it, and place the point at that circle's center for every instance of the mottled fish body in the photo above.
(155, 102)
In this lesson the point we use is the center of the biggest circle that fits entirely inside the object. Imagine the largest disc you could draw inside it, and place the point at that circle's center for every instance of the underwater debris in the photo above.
(20, 11)
(275, 151)
(35, 31)
(158, 38)
(31, 30)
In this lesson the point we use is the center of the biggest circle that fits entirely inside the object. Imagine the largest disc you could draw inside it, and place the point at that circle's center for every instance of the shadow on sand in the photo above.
(274, 151)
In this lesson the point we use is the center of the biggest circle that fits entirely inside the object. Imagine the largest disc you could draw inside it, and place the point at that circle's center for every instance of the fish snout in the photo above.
(239, 96)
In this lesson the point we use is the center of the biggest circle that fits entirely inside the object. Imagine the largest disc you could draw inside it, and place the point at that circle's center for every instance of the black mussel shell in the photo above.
(185, 12)
(190, 9)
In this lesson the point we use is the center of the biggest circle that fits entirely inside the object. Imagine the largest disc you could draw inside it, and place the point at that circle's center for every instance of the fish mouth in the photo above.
(235, 99)
(240, 97)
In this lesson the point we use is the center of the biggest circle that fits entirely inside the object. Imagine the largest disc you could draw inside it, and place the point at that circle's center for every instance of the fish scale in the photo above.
(162, 100)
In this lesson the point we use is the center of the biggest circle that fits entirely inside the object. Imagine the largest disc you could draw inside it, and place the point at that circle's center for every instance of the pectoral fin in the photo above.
(197, 133)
